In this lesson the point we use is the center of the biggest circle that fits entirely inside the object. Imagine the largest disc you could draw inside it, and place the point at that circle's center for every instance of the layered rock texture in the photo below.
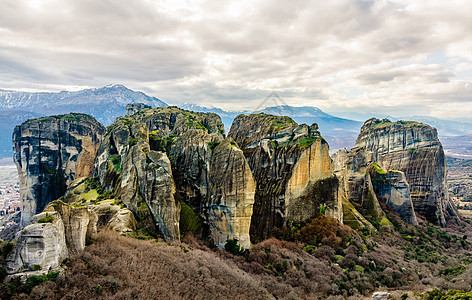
(158, 158)
(49, 154)
(229, 208)
(414, 149)
(363, 185)
(360, 205)
(62, 229)
(393, 188)
(292, 169)
(160, 170)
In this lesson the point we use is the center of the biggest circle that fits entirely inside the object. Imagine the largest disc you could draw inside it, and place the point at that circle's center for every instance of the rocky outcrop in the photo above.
(39, 245)
(62, 229)
(414, 149)
(360, 204)
(292, 169)
(392, 187)
(139, 177)
(147, 176)
(133, 108)
(191, 158)
(228, 209)
(50, 153)
(156, 158)
(102, 211)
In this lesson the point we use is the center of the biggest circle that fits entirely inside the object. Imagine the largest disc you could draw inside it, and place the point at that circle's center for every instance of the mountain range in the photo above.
(109, 102)
(105, 104)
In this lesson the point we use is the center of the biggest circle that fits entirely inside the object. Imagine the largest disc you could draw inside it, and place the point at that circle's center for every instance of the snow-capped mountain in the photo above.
(105, 104)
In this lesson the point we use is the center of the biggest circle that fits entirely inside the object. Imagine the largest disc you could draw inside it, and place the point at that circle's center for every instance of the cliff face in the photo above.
(292, 169)
(133, 108)
(157, 158)
(393, 188)
(139, 177)
(360, 204)
(49, 154)
(232, 187)
(414, 149)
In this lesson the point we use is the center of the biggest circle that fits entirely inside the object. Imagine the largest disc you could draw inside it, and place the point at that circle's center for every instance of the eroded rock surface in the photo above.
(292, 169)
(360, 204)
(232, 187)
(50, 153)
(62, 230)
(39, 245)
(413, 148)
(156, 158)
(392, 187)
(133, 108)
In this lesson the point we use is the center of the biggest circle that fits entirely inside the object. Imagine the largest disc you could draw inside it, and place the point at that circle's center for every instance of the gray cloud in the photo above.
(340, 54)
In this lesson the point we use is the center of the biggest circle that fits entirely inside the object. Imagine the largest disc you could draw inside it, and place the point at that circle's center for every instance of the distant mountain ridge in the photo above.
(105, 104)
(108, 102)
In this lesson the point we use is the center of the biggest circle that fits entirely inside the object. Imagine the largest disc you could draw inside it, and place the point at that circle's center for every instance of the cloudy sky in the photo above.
(400, 57)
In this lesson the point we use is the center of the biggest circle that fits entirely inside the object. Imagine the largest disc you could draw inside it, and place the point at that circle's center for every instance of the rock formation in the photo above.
(392, 187)
(228, 209)
(292, 169)
(414, 149)
(360, 205)
(362, 189)
(157, 158)
(39, 245)
(269, 172)
(62, 229)
(50, 153)
(139, 177)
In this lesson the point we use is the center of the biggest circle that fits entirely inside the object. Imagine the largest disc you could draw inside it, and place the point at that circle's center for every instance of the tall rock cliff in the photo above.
(363, 186)
(139, 177)
(50, 153)
(228, 209)
(292, 169)
(360, 204)
(157, 158)
(392, 187)
(413, 148)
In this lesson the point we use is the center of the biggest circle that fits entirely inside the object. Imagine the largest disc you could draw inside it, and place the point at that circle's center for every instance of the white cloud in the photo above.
(342, 54)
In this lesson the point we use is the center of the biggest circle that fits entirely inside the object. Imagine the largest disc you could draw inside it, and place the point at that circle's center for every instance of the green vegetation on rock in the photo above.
(378, 169)
(305, 142)
(47, 219)
(213, 145)
(116, 161)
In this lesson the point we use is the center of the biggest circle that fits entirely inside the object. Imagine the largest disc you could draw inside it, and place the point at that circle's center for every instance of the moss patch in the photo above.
(306, 142)
(386, 222)
(90, 195)
(47, 219)
(378, 169)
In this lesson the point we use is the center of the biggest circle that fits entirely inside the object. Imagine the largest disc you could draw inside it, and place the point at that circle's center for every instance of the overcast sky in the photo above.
(396, 57)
